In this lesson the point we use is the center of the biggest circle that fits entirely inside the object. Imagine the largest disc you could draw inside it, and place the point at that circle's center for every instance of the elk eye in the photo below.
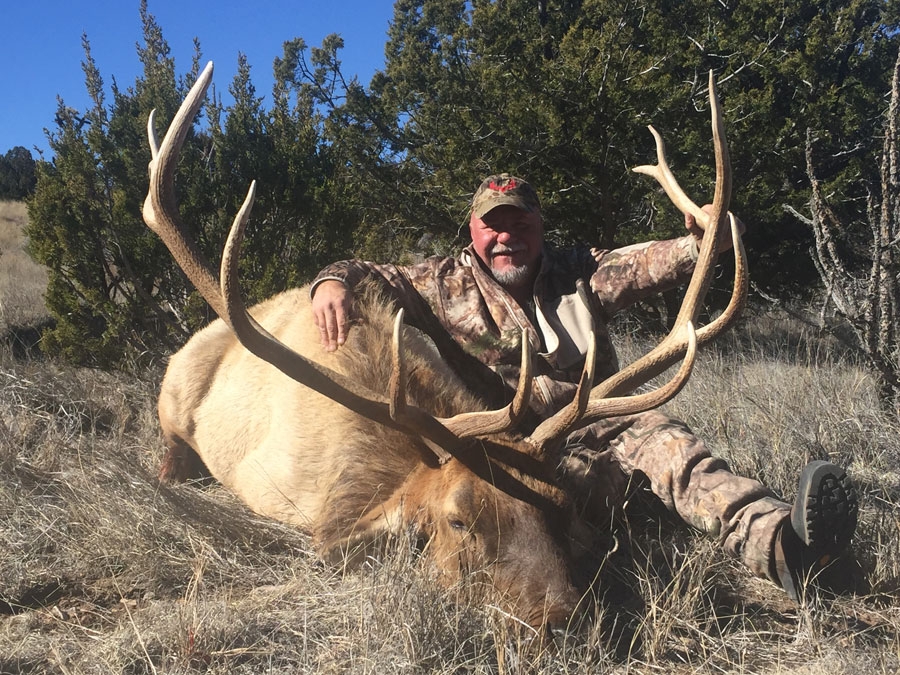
(457, 524)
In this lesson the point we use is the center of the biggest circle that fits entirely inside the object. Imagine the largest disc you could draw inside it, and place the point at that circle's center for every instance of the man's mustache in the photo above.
(503, 249)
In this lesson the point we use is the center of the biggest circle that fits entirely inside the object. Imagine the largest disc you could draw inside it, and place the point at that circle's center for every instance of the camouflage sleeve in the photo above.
(353, 272)
(395, 281)
(626, 275)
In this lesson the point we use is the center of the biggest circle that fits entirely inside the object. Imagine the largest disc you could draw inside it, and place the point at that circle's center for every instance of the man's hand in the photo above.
(724, 235)
(332, 307)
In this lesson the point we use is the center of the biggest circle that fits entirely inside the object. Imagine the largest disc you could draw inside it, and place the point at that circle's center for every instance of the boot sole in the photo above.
(825, 512)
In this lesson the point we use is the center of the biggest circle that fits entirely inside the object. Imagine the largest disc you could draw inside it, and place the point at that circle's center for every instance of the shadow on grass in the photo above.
(24, 342)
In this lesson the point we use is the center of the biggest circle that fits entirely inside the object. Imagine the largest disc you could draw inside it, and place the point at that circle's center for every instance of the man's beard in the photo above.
(512, 276)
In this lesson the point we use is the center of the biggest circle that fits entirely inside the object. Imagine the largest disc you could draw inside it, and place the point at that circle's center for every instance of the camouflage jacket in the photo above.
(487, 322)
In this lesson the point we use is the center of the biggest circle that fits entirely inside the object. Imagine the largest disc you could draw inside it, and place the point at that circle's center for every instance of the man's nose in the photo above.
(504, 236)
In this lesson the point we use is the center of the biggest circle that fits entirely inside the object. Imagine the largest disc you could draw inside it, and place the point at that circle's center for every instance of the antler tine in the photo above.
(523, 392)
(467, 425)
(398, 371)
(151, 134)
(583, 411)
(161, 208)
(398, 408)
(559, 425)
(664, 176)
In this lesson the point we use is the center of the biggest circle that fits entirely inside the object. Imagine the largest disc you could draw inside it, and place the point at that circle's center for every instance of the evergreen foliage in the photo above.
(17, 174)
(561, 92)
(111, 287)
(558, 91)
(117, 297)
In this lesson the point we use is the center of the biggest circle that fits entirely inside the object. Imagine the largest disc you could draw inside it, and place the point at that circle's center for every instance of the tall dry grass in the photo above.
(102, 569)
(22, 281)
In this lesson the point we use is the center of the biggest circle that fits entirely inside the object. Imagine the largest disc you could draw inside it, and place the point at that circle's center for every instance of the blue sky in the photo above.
(43, 53)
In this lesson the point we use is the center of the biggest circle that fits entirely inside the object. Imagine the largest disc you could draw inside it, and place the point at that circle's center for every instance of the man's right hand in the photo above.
(696, 229)
(332, 306)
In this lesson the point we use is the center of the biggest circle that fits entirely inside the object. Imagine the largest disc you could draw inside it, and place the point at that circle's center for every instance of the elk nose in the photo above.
(558, 627)
(558, 634)
(555, 634)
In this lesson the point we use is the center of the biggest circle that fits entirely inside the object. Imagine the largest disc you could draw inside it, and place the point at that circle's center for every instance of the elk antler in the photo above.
(162, 216)
(605, 399)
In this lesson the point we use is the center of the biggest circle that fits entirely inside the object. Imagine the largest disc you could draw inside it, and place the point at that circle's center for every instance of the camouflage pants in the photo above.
(699, 488)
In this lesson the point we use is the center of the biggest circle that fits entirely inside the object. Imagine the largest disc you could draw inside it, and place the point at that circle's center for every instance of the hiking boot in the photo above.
(822, 522)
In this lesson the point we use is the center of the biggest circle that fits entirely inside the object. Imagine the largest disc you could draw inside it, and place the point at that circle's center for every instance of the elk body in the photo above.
(381, 436)
(294, 455)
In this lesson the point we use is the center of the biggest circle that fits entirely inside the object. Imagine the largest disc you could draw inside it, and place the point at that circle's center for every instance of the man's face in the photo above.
(509, 241)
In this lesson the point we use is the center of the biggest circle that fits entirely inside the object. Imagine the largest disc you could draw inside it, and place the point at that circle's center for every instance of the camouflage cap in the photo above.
(502, 189)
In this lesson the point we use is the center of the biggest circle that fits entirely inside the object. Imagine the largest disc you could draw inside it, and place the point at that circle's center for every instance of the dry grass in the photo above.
(105, 570)
(102, 569)
(22, 281)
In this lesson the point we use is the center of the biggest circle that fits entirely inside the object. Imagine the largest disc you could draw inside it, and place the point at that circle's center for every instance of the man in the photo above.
(508, 279)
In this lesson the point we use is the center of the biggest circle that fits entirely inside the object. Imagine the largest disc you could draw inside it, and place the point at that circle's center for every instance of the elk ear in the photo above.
(353, 549)
(352, 544)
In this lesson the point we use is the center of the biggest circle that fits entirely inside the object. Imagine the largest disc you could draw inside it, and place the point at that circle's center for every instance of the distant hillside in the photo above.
(22, 281)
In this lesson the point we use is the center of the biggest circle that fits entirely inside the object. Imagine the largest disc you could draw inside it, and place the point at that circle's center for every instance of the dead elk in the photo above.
(351, 446)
